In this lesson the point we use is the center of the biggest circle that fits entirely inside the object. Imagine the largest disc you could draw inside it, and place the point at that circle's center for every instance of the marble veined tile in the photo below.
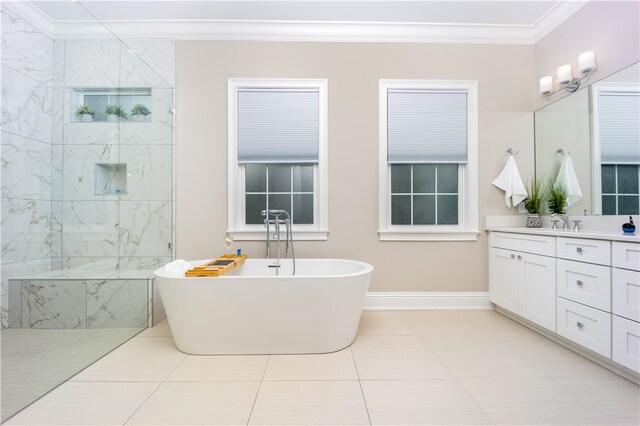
(60, 102)
(26, 106)
(117, 304)
(149, 174)
(79, 171)
(143, 262)
(145, 228)
(159, 54)
(55, 231)
(11, 303)
(134, 72)
(90, 263)
(54, 304)
(92, 63)
(90, 228)
(91, 133)
(26, 168)
(56, 171)
(25, 229)
(25, 49)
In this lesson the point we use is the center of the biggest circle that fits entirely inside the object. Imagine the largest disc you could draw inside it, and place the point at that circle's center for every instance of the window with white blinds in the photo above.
(619, 127)
(278, 125)
(426, 126)
(428, 160)
(277, 155)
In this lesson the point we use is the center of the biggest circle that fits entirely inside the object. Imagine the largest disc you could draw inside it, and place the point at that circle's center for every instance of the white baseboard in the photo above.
(407, 301)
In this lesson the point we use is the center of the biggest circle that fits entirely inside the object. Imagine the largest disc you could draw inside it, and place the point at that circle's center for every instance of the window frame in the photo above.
(236, 226)
(596, 163)
(467, 227)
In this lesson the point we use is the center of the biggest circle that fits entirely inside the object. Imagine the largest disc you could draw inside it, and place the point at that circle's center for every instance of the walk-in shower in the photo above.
(87, 198)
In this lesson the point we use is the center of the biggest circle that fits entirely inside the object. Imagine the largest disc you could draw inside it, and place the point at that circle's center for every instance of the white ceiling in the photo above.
(506, 21)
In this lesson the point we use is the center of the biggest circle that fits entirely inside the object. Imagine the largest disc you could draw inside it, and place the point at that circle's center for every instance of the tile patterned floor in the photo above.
(405, 368)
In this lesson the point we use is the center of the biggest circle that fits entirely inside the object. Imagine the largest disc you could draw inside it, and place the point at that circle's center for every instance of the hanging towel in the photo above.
(177, 268)
(511, 183)
(568, 180)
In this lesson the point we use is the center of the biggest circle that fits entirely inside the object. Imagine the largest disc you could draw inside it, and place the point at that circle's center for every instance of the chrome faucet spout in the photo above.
(277, 222)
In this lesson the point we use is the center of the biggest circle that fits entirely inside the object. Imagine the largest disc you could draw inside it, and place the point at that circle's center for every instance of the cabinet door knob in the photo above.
(580, 283)
(579, 249)
(513, 256)
(579, 324)
(519, 257)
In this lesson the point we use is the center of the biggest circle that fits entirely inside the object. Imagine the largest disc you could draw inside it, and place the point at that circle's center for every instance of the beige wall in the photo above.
(610, 28)
(504, 74)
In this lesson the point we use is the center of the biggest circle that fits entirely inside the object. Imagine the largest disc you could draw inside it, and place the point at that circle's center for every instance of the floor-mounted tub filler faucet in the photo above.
(278, 218)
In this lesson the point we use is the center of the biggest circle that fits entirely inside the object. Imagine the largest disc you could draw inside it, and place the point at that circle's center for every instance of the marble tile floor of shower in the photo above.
(404, 368)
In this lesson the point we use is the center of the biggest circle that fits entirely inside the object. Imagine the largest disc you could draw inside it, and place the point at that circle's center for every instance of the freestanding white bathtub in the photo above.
(250, 310)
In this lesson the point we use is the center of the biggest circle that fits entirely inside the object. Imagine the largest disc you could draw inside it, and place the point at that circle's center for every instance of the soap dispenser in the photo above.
(629, 228)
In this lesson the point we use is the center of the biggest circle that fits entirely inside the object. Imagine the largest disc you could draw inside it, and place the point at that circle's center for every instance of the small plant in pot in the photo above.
(85, 113)
(114, 112)
(557, 199)
(140, 112)
(533, 203)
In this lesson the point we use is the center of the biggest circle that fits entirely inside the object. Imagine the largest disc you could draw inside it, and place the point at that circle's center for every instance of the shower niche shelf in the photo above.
(111, 178)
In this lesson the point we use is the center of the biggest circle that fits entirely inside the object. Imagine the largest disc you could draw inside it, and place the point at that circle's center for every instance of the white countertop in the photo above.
(596, 235)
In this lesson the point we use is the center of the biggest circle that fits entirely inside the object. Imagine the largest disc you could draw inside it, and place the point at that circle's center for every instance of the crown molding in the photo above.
(306, 31)
(301, 31)
(551, 20)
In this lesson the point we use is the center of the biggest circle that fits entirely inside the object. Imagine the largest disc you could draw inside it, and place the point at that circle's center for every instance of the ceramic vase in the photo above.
(534, 221)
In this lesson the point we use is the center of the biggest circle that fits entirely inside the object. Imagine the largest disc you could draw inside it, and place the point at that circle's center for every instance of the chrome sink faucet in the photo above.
(564, 219)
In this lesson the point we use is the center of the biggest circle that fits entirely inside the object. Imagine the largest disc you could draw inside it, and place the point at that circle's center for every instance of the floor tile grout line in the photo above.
(458, 382)
(264, 373)
(155, 390)
(355, 365)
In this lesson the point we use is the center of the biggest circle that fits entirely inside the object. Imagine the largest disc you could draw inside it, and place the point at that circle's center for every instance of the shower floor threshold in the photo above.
(90, 274)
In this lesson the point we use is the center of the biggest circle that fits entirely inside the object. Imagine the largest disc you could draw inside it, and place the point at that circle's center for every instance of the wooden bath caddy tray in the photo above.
(217, 267)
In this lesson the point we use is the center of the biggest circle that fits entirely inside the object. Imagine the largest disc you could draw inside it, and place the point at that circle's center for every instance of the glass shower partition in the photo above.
(87, 201)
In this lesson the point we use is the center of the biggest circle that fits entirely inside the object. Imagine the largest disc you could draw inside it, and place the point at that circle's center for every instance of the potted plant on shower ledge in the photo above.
(85, 113)
(140, 112)
(114, 112)
(533, 203)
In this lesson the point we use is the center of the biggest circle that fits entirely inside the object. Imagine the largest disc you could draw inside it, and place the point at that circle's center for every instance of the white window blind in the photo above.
(619, 127)
(278, 126)
(426, 126)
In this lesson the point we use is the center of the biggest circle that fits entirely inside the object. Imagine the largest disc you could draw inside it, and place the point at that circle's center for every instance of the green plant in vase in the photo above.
(115, 111)
(533, 203)
(557, 199)
(85, 113)
(140, 112)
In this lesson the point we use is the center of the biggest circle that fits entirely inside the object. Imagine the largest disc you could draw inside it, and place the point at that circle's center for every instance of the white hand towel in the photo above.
(177, 268)
(568, 180)
(511, 183)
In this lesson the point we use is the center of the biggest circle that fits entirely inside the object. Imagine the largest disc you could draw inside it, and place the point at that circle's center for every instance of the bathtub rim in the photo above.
(367, 268)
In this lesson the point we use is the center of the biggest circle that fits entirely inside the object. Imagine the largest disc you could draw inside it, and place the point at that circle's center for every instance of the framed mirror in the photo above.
(598, 127)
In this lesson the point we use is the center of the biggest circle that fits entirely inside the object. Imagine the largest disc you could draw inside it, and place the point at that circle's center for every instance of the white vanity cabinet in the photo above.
(523, 281)
(584, 288)
(626, 305)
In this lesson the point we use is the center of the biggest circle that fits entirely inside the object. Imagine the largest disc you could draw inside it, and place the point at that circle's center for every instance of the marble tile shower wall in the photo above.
(51, 215)
(27, 240)
(131, 230)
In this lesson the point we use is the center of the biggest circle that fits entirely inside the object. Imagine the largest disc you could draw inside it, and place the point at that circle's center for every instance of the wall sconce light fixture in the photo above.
(564, 75)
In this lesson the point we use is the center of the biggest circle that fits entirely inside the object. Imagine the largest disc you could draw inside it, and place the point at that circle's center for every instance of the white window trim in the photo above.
(236, 227)
(467, 230)
(596, 178)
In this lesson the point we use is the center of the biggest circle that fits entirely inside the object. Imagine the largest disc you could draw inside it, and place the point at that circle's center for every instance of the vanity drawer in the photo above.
(584, 283)
(536, 244)
(626, 255)
(626, 343)
(626, 293)
(584, 250)
(585, 326)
